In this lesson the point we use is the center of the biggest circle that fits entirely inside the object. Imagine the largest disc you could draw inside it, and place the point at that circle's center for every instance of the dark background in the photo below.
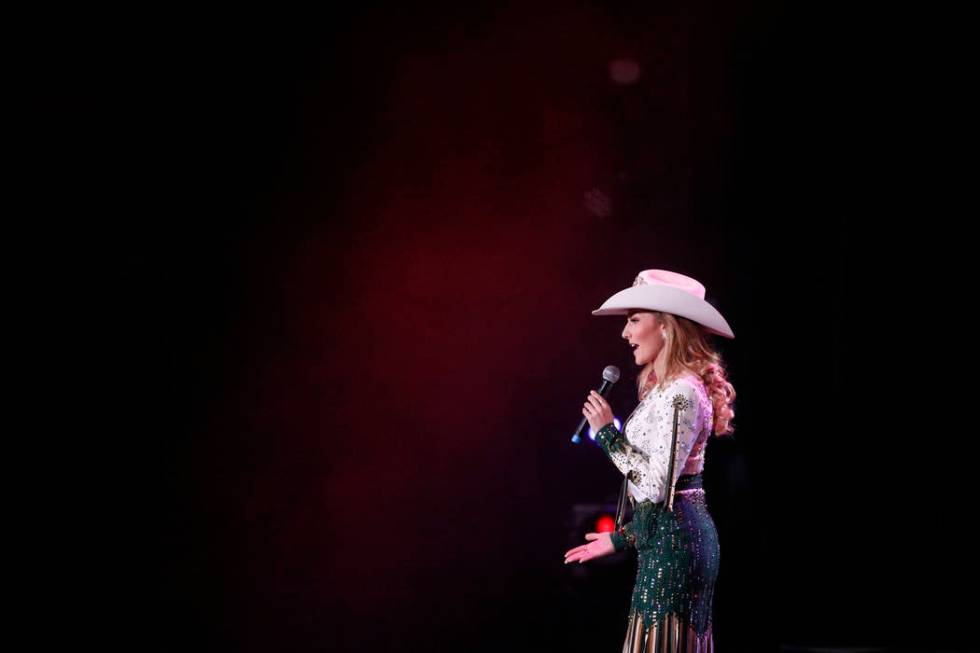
(364, 246)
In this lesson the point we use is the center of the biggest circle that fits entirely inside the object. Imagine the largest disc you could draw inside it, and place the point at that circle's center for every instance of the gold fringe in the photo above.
(672, 634)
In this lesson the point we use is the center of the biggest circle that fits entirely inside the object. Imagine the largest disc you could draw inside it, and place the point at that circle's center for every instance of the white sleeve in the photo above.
(650, 475)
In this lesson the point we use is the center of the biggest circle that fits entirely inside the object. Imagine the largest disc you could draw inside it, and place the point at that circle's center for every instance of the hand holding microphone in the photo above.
(597, 411)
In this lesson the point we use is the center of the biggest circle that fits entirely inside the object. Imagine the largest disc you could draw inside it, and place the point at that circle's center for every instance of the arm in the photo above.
(614, 444)
(655, 429)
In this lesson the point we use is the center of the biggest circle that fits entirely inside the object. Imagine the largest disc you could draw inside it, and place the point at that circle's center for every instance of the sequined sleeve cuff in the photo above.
(623, 537)
(608, 437)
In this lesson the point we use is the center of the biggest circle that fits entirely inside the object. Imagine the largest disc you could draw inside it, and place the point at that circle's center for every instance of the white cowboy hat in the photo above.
(670, 292)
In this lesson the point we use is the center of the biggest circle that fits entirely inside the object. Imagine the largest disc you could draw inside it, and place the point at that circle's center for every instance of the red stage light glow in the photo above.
(605, 524)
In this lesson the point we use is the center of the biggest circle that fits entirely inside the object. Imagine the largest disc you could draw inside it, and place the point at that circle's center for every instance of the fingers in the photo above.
(579, 554)
(583, 553)
(576, 553)
(593, 403)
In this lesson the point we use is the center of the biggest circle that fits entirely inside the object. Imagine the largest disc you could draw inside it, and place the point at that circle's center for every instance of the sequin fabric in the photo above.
(677, 550)
(677, 566)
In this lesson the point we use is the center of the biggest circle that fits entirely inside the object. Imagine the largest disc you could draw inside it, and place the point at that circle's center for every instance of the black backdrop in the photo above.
(366, 243)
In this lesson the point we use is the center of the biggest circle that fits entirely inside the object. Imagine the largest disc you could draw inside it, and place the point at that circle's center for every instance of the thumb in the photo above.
(591, 536)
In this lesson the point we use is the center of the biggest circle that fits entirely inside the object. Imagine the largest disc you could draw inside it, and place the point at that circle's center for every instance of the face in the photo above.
(642, 329)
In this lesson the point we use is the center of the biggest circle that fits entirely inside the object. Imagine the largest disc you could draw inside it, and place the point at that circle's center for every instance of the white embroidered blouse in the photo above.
(644, 454)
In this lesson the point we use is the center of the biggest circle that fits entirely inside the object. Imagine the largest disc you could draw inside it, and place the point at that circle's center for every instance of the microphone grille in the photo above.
(611, 373)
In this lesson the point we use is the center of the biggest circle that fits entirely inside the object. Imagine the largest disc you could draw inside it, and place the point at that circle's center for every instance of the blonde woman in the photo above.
(670, 327)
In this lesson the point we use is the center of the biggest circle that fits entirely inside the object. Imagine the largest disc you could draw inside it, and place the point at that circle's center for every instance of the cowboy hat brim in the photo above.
(669, 300)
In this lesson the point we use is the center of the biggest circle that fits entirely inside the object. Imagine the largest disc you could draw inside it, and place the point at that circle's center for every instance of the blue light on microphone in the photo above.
(616, 423)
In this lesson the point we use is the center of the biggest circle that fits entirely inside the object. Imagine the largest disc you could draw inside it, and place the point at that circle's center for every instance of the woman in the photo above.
(670, 326)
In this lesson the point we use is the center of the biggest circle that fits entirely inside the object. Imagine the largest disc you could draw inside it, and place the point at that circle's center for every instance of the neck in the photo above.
(654, 372)
(658, 369)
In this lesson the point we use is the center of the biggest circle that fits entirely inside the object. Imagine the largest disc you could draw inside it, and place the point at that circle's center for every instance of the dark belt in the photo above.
(684, 482)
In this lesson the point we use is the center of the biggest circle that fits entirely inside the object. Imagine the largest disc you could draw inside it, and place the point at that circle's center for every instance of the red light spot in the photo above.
(605, 524)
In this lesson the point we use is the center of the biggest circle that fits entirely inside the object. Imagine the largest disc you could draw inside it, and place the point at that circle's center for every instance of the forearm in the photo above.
(629, 460)
(612, 441)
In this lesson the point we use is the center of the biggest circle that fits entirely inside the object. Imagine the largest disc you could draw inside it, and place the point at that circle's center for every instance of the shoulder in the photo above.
(689, 386)
(687, 383)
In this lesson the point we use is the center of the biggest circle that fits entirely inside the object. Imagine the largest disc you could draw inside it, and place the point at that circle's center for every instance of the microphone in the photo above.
(609, 376)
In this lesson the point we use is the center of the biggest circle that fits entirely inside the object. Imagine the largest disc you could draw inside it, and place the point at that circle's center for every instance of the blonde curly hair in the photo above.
(689, 348)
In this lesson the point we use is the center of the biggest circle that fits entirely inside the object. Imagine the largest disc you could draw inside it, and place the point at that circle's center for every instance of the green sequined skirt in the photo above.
(677, 566)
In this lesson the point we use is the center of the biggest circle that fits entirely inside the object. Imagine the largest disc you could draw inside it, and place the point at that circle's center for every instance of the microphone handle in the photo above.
(603, 391)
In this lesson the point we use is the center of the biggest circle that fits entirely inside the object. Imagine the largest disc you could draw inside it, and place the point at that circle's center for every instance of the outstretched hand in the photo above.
(601, 545)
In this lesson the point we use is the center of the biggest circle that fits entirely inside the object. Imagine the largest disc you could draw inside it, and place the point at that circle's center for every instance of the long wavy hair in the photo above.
(690, 347)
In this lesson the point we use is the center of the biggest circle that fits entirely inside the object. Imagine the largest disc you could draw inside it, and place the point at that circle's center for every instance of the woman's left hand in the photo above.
(597, 411)
(601, 545)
